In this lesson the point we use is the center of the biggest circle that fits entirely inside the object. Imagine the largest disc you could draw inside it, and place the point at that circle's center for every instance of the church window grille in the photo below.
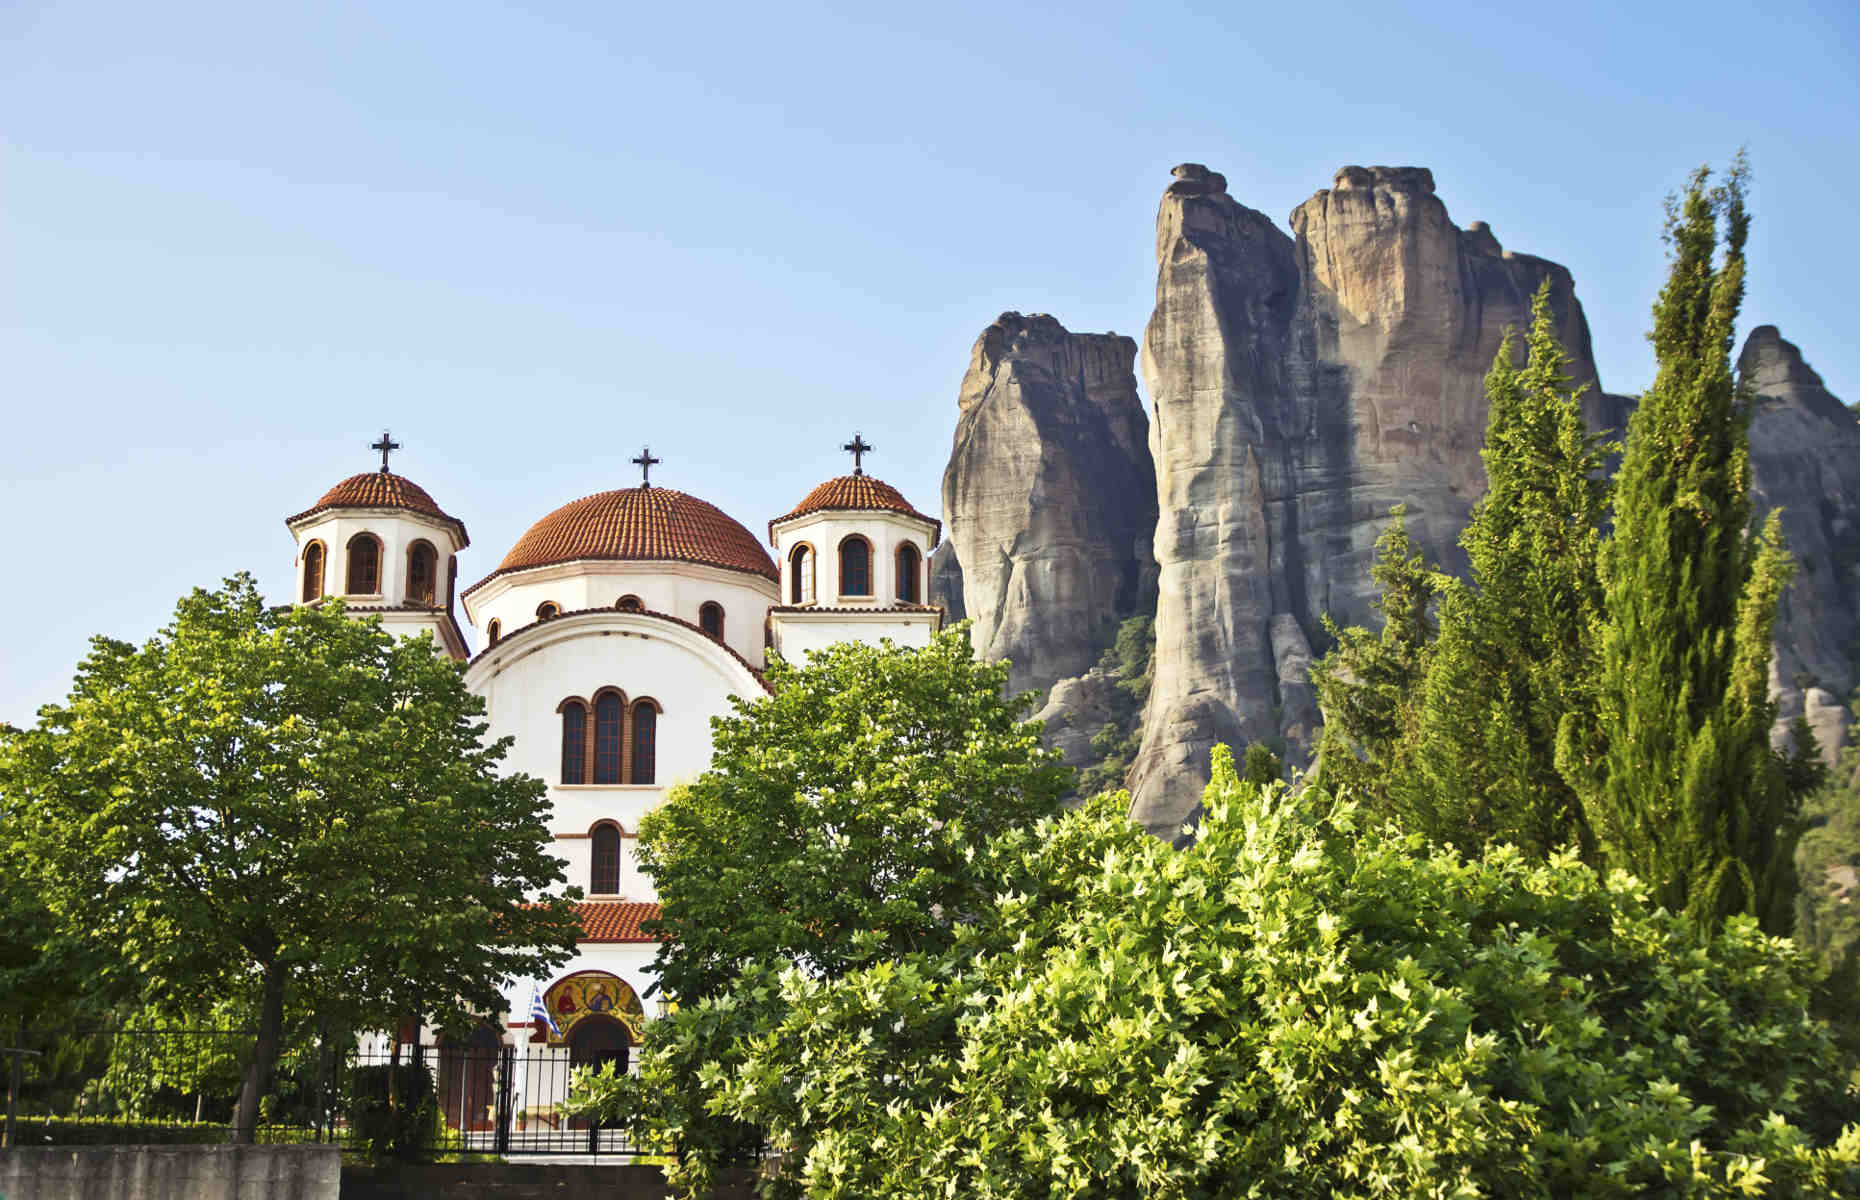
(313, 572)
(645, 742)
(801, 574)
(609, 711)
(364, 565)
(547, 609)
(710, 619)
(493, 631)
(909, 571)
(422, 572)
(855, 567)
(604, 878)
(574, 742)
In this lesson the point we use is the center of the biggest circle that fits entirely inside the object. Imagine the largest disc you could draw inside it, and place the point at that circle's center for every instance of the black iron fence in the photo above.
(468, 1096)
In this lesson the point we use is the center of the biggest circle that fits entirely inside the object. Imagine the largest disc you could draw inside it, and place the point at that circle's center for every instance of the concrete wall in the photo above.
(520, 1181)
(171, 1173)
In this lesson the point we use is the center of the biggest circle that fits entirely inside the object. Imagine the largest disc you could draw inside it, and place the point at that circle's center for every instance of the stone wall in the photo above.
(520, 1181)
(172, 1173)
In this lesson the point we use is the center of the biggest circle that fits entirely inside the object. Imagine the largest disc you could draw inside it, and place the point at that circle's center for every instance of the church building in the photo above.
(607, 638)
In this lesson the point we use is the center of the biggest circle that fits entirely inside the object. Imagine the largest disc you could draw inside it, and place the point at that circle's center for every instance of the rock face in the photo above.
(1805, 459)
(1302, 387)
(1050, 497)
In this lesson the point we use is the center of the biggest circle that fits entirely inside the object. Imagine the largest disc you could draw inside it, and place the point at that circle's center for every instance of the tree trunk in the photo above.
(264, 1055)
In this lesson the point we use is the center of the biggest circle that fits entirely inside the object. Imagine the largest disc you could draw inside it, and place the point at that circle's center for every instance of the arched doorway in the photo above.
(595, 1041)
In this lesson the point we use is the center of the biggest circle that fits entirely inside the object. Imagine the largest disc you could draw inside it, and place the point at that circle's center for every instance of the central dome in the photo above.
(647, 524)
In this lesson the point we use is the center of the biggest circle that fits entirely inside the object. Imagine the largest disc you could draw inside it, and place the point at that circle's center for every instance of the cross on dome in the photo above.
(858, 448)
(386, 444)
(645, 462)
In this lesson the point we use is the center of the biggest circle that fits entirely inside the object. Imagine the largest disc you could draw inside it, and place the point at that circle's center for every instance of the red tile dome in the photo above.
(381, 489)
(853, 493)
(649, 524)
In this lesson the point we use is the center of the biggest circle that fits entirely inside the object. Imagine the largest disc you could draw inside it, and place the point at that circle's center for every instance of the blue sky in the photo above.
(238, 240)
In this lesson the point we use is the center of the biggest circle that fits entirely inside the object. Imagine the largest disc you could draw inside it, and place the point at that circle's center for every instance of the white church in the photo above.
(607, 638)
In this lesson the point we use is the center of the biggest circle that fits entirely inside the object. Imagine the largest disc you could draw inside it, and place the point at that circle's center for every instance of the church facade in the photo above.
(607, 638)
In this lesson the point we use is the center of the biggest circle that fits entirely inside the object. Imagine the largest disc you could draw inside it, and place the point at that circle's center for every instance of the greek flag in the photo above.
(540, 1011)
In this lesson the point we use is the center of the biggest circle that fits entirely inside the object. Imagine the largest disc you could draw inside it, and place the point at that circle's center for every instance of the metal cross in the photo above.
(386, 444)
(858, 448)
(645, 462)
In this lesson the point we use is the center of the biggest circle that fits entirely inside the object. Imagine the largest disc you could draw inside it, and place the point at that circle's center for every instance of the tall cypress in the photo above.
(1677, 774)
(1517, 635)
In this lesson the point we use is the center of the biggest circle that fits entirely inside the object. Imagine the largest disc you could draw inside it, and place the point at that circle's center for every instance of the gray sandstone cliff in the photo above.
(1050, 497)
(1303, 386)
(1805, 459)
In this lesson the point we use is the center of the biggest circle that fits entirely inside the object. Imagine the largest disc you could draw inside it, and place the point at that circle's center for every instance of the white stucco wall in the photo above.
(677, 588)
(799, 634)
(824, 531)
(397, 528)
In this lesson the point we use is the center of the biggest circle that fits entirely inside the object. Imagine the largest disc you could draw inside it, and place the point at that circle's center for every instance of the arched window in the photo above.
(909, 571)
(629, 604)
(574, 742)
(801, 574)
(609, 709)
(313, 572)
(422, 573)
(855, 567)
(710, 619)
(493, 631)
(364, 565)
(547, 609)
(645, 742)
(604, 877)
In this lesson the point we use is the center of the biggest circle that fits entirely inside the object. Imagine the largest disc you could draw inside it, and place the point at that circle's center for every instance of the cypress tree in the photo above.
(1677, 775)
(1516, 637)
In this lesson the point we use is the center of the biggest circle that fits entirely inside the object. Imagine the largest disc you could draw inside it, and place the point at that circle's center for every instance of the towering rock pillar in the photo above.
(1050, 497)
(1213, 358)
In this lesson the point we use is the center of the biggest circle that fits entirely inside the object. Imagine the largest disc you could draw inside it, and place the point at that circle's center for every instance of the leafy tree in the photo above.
(1514, 655)
(1368, 684)
(1128, 662)
(1679, 781)
(1305, 1002)
(266, 800)
(838, 822)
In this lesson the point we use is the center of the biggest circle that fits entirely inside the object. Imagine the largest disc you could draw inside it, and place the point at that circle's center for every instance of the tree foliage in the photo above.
(1305, 1002)
(265, 800)
(1679, 781)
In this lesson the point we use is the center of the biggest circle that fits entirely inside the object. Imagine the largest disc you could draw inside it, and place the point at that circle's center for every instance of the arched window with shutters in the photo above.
(855, 567)
(801, 574)
(313, 572)
(609, 713)
(493, 631)
(710, 619)
(604, 873)
(910, 573)
(364, 576)
(574, 742)
(645, 741)
(422, 573)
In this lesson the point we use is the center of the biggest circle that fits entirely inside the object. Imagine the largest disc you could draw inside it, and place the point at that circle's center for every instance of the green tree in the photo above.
(1368, 685)
(264, 800)
(838, 822)
(1514, 655)
(1679, 781)
(1306, 1002)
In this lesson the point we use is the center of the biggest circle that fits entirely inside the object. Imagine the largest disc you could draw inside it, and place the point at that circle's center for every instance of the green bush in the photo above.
(1305, 1003)
(406, 1129)
(115, 1131)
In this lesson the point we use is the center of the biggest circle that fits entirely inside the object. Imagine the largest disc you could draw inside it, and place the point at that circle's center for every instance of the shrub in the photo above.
(406, 1129)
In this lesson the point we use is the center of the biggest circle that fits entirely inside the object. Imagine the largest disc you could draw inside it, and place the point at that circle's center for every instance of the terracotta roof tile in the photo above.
(645, 524)
(616, 920)
(854, 493)
(381, 489)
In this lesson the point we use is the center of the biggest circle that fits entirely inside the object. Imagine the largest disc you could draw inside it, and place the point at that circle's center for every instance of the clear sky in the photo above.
(237, 240)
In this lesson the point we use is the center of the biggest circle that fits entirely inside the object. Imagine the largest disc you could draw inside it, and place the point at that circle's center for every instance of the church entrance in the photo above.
(595, 1041)
(468, 1079)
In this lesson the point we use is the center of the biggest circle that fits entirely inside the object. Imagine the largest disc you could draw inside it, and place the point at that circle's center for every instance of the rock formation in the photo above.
(1302, 387)
(1805, 459)
(1050, 497)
